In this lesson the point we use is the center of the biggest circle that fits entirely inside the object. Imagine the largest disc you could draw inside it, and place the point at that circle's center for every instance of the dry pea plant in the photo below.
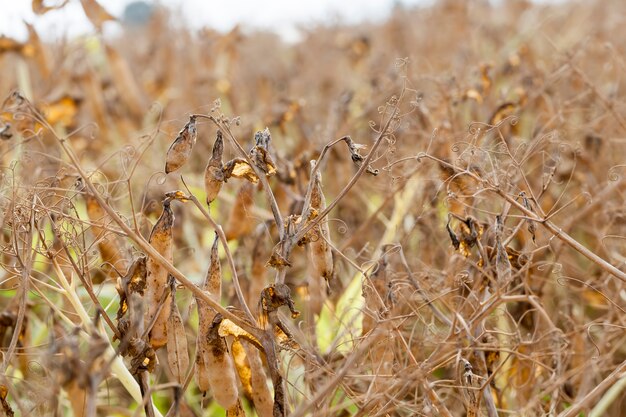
(424, 216)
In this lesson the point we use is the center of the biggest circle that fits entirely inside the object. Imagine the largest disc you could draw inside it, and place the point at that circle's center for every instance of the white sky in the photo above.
(282, 15)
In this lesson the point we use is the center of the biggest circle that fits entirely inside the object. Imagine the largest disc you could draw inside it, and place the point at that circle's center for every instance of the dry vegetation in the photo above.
(432, 223)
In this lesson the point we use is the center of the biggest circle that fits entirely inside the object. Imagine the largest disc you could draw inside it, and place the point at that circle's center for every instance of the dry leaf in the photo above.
(228, 328)
(502, 112)
(239, 168)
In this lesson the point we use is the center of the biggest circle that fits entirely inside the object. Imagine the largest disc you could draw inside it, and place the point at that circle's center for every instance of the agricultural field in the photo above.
(419, 217)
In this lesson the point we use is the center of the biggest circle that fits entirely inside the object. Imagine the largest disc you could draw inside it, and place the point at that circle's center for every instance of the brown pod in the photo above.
(261, 394)
(320, 252)
(236, 410)
(111, 246)
(180, 150)
(220, 368)
(240, 220)
(214, 174)
(177, 353)
(156, 281)
(213, 285)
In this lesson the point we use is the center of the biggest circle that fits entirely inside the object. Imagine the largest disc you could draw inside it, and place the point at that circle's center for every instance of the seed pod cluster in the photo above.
(157, 302)
(180, 150)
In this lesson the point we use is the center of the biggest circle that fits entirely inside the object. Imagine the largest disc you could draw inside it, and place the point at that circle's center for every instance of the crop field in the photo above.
(424, 216)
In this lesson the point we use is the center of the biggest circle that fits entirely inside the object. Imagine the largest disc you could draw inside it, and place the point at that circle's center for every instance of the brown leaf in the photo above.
(502, 112)
(239, 168)
(228, 328)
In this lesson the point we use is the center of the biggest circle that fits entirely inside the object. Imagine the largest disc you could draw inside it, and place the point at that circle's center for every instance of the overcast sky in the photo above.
(282, 15)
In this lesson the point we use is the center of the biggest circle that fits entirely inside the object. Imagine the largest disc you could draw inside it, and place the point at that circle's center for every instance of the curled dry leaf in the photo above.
(214, 174)
(177, 353)
(156, 281)
(239, 168)
(320, 252)
(470, 231)
(502, 112)
(260, 154)
(180, 150)
(277, 261)
(272, 298)
(212, 284)
(357, 158)
(228, 328)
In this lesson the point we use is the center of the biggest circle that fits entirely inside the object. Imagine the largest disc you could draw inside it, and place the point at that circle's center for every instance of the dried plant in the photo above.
(450, 224)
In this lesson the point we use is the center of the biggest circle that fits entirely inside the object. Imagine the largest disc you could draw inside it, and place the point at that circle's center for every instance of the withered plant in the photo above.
(320, 228)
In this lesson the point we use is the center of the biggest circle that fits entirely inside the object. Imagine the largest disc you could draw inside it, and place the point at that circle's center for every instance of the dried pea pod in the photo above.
(180, 150)
(177, 352)
(111, 246)
(261, 394)
(220, 368)
(213, 285)
(156, 281)
(240, 220)
(320, 252)
(214, 174)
